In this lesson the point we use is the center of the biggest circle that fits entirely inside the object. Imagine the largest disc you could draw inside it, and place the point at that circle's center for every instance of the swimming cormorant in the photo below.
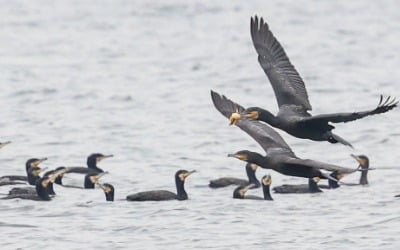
(291, 94)
(312, 187)
(279, 156)
(108, 190)
(33, 177)
(41, 188)
(227, 181)
(239, 192)
(162, 195)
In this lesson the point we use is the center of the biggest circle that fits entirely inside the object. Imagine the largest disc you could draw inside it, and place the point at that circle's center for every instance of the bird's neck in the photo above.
(180, 190)
(333, 184)
(58, 180)
(42, 192)
(363, 177)
(267, 117)
(261, 161)
(50, 189)
(110, 196)
(32, 179)
(267, 194)
(251, 174)
(313, 186)
(88, 183)
(93, 165)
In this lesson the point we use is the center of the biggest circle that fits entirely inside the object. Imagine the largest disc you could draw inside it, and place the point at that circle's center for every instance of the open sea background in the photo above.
(133, 79)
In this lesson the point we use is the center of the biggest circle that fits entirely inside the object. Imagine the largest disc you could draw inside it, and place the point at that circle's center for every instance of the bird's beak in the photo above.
(42, 160)
(358, 159)
(252, 115)
(104, 157)
(235, 116)
(188, 173)
(241, 157)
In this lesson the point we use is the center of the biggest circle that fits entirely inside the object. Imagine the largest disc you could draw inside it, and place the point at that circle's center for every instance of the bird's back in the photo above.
(156, 195)
(227, 181)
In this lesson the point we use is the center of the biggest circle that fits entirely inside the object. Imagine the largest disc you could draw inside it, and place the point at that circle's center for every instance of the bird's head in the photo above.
(108, 190)
(266, 180)
(34, 162)
(239, 192)
(93, 159)
(362, 160)
(252, 113)
(181, 175)
(245, 155)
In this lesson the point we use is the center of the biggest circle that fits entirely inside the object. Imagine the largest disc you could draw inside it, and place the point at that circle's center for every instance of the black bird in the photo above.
(33, 177)
(92, 178)
(312, 187)
(227, 181)
(239, 192)
(291, 94)
(108, 190)
(41, 188)
(279, 156)
(162, 195)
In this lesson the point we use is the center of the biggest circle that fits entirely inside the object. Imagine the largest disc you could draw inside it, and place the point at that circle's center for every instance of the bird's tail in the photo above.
(335, 138)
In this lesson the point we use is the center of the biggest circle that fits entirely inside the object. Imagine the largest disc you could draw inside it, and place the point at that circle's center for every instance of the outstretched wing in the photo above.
(287, 84)
(382, 107)
(321, 165)
(266, 136)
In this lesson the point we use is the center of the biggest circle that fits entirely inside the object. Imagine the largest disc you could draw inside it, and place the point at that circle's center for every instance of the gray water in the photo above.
(132, 78)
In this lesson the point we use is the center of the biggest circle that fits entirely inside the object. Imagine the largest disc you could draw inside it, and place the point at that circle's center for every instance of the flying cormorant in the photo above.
(291, 94)
(279, 156)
